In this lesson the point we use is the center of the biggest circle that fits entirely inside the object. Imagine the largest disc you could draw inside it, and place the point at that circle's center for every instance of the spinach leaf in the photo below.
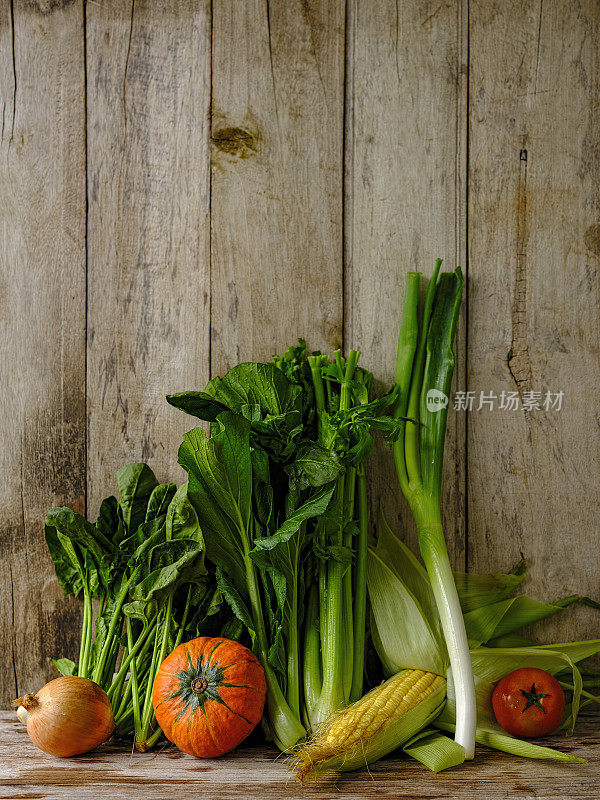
(65, 666)
(159, 500)
(181, 520)
(135, 482)
(68, 561)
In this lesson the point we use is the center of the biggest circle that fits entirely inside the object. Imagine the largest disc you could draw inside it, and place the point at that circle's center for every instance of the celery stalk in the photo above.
(335, 603)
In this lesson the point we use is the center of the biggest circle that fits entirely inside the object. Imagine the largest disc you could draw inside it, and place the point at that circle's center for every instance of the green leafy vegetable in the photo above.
(143, 560)
(280, 486)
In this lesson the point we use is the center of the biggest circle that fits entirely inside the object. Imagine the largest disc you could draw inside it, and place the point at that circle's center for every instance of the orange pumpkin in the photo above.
(208, 695)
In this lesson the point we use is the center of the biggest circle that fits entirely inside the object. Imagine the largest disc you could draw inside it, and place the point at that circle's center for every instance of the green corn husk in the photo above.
(434, 750)
(406, 633)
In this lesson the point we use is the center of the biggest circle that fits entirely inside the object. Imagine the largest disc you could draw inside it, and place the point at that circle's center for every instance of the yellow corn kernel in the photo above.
(356, 725)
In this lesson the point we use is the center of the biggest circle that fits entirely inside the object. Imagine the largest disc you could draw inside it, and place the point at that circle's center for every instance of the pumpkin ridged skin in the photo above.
(208, 695)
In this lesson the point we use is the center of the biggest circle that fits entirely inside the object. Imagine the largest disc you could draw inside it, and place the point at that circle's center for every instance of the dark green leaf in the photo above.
(86, 536)
(234, 600)
(110, 520)
(182, 520)
(313, 465)
(68, 561)
(315, 506)
(159, 500)
(136, 482)
(256, 384)
(197, 404)
(220, 489)
(166, 566)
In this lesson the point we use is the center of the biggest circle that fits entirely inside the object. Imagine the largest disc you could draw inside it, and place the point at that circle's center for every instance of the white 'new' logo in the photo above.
(436, 400)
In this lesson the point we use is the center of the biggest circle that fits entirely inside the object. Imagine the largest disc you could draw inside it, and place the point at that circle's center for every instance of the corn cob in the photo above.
(379, 722)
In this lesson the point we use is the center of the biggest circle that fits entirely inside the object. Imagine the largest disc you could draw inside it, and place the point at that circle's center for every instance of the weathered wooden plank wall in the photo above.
(405, 200)
(186, 184)
(533, 306)
(42, 324)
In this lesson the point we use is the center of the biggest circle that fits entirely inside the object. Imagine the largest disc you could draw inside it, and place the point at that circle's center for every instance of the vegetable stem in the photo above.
(86, 632)
(347, 588)
(293, 660)
(115, 619)
(134, 679)
(411, 443)
(418, 456)
(287, 728)
(132, 651)
(360, 589)
(313, 679)
(332, 696)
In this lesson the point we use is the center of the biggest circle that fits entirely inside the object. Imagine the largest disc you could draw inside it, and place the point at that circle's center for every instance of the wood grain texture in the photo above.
(42, 326)
(257, 772)
(148, 230)
(277, 130)
(534, 205)
(405, 203)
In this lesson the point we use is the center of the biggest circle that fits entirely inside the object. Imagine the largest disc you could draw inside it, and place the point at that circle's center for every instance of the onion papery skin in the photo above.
(208, 695)
(68, 716)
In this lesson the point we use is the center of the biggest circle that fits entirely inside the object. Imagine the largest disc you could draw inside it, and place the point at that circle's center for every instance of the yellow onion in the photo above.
(69, 716)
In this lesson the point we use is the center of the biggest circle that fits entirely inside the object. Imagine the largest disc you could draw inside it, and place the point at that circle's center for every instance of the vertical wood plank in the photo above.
(277, 130)
(534, 232)
(149, 255)
(405, 202)
(42, 326)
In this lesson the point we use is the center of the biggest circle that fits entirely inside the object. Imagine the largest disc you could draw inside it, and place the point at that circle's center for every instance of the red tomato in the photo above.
(529, 703)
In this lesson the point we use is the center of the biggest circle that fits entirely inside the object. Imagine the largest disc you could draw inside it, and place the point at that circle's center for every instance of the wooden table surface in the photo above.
(258, 772)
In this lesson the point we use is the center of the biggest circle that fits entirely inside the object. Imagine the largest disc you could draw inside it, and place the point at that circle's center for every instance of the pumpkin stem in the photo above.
(199, 685)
